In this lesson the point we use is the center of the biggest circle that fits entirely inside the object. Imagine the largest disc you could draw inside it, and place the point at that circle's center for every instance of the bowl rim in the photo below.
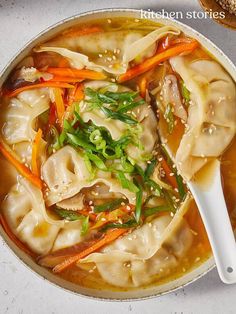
(9, 65)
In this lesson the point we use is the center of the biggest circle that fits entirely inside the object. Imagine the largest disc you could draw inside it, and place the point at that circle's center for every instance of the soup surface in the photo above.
(101, 128)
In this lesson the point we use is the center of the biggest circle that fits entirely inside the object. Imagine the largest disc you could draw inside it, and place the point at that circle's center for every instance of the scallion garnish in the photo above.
(185, 92)
(79, 140)
(154, 187)
(97, 161)
(126, 225)
(139, 198)
(126, 183)
(107, 207)
(68, 214)
(180, 184)
(153, 210)
(119, 102)
(150, 168)
(118, 116)
(85, 226)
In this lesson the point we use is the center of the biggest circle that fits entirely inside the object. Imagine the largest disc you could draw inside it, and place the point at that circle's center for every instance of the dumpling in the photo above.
(20, 113)
(211, 120)
(66, 174)
(148, 252)
(18, 121)
(26, 215)
(134, 260)
(69, 235)
(125, 45)
(26, 219)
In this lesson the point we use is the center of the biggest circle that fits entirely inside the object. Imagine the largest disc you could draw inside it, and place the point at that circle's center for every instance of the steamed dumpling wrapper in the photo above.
(65, 172)
(149, 251)
(211, 120)
(18, 117)
(129, 44)
(18, 122)
(26, 215)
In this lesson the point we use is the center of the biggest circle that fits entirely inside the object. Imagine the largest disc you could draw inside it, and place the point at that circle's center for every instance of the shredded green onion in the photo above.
(85, 226)
(68, 214)
(107, 207)
(126, 225)
(97, 161)
(139, 197)
(153, 210)
(125, 183)
(185, 92)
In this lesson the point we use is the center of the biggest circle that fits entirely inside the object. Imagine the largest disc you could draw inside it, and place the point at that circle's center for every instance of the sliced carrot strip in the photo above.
(77, 94)
(35, 153)
(38, 85)
(156, 59)
(143, 86)
(65, 79)
(168, 173)
(13, 238)
(59, 104)
(21, 168)
(75, 73)
(109, 237)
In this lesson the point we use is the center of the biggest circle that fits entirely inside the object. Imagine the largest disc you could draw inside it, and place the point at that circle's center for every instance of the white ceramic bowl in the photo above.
(44, 273)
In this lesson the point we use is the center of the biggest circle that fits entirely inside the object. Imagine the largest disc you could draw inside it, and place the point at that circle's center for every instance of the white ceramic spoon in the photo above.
(211, 204)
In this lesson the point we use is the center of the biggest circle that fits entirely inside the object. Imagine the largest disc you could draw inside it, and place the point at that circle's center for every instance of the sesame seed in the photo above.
(193, 232)
(109, 21)
(229, 5)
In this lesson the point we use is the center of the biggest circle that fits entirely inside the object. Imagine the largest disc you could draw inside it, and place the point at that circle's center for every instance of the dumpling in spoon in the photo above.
(211, 119)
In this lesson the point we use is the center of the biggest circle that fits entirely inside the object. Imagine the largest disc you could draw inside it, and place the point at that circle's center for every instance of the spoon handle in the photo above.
(213, 210)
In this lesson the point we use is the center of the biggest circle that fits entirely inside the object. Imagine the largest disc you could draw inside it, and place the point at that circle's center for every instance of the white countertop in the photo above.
(21, 291)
